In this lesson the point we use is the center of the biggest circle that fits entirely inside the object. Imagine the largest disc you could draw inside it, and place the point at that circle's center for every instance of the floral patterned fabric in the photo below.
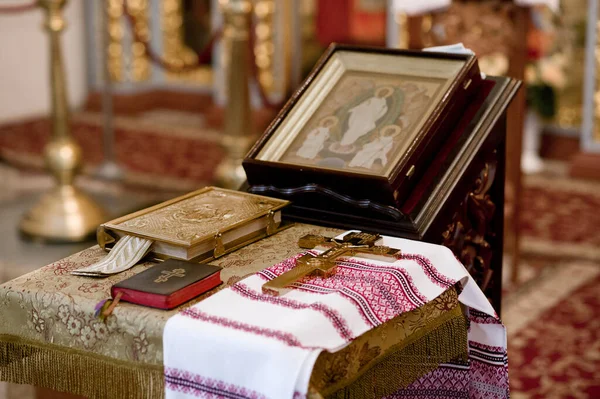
(51, 308)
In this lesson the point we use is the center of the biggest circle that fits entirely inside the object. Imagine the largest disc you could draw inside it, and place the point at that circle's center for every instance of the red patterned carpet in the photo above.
(560, 217)
(554, 334)
(150, 151)
(566, 363)
(553, 318)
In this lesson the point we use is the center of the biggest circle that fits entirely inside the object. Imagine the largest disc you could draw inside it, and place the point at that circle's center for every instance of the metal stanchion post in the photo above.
(238, 124)
(65, 213)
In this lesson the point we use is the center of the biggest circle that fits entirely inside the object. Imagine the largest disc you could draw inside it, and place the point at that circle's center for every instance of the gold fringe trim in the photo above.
(74, 371)
(406, 362)
(96, 376)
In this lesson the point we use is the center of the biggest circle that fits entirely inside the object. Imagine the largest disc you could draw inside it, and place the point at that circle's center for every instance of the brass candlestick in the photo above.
(238, 123)
(65, 213)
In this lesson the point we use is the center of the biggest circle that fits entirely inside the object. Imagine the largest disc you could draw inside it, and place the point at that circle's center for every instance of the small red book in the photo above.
(169, 284)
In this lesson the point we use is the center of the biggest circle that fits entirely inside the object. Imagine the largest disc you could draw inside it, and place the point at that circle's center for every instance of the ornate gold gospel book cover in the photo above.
(202, 224)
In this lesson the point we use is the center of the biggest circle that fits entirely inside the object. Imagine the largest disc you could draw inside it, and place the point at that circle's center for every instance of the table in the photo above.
(49, 336)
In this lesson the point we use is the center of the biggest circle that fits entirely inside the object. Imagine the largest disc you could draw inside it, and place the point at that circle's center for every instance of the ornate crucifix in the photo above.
(324, 264)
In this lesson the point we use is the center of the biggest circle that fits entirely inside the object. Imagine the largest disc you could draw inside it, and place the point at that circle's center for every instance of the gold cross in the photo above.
(324, 264)
(167, 274)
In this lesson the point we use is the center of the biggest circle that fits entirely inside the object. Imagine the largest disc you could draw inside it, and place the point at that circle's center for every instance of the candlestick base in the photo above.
(65, 214)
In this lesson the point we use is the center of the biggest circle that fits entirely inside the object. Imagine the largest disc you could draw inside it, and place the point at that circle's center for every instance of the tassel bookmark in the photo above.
(105, 307)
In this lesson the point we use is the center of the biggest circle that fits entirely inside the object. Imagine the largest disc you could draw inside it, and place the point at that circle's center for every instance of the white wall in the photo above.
(24, 61)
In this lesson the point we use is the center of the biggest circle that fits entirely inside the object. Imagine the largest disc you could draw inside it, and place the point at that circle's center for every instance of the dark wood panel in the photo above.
(559, 147)
(586, 165)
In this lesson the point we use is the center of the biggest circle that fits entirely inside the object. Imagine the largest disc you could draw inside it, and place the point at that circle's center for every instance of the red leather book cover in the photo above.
(169, 284)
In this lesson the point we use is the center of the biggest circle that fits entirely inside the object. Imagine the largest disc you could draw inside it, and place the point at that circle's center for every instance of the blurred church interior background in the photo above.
(147, 89)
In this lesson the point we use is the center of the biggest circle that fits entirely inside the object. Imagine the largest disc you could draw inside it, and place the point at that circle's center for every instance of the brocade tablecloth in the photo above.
(49, 336)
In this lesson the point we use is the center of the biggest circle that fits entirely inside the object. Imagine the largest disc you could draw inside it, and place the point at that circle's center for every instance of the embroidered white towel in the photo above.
(240, 343)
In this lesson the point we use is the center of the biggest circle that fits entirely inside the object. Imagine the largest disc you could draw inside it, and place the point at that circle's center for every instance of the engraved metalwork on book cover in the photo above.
(196, 217)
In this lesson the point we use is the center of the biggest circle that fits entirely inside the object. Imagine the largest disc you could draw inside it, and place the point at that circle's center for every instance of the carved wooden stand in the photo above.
(476, 231)
(488, 28)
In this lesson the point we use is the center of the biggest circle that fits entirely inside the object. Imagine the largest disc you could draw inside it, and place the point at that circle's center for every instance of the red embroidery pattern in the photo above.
(363, 308)
(477, 380)
(194, 384)
(336, 319)
(495, 355)
(482, 318)
(488, 381)
(447, 381)
(284, 337)
(430, 270)
(61, 267)
(379, 293)
(400, 274)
